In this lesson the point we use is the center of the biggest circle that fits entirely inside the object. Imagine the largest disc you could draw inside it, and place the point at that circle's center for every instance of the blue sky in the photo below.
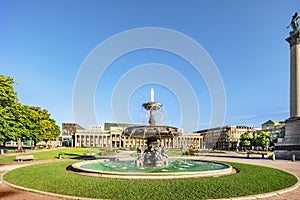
(44, 44)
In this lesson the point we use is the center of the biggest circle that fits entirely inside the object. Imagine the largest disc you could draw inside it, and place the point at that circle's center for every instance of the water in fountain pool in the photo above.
(128, 166)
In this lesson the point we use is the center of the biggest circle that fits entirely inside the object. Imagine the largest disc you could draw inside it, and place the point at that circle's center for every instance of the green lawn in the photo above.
(269, 153)
(53, 177)
(51, 154)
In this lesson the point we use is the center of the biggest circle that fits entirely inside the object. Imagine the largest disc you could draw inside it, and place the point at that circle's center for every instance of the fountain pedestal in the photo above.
(154, 155)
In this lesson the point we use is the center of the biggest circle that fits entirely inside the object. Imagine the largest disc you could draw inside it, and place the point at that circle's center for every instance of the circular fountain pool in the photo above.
(124, 168)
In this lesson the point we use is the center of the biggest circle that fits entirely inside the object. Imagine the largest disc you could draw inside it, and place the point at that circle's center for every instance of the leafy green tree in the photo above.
(18, 121)
(13, 123)
(8, 96)
(246, 139)
(8, 127)
(34, 124)
(51, 130)
(41, 125)
(263, 139)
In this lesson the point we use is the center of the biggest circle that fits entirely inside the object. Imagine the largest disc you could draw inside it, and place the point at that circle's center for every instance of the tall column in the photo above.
(290, 145)
(75, 140)
(294, 41)
(292, 129)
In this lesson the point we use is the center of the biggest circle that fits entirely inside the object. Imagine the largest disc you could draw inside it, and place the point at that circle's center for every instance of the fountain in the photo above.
(152, 161)
(154, 154)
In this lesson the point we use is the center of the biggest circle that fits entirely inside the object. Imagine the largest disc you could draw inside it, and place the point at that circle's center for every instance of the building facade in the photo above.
(275, 128)
(112, 136)
(225, 137)
(68, 133)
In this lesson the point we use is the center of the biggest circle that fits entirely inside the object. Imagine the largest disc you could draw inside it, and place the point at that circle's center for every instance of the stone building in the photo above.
(225, 137)
(68, 133)
(112, 137)
(275, 128)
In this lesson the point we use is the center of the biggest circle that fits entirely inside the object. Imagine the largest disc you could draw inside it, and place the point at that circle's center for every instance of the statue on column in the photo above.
(294, 24)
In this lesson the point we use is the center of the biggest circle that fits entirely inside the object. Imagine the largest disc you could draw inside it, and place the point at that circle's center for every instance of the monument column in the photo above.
(290, 145)
(294, 41)
(292, 126)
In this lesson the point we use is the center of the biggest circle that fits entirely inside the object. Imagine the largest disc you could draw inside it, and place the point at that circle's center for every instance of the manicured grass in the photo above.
(174, 152)
(53, 177)
(51, 154)
(269, 153)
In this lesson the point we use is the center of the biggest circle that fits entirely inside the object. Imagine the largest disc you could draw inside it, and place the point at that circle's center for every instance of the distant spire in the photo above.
(152, 95)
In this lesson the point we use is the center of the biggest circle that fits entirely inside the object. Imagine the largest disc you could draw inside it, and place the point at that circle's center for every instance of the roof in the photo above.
(272, 121)
(107, 125)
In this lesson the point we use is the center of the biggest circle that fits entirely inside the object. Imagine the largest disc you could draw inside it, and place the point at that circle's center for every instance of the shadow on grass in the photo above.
(72, 154)
(252, 157)
(79, 156)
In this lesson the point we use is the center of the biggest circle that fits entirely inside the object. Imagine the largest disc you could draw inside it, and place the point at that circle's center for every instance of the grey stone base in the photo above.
(287, 155)
(292, 130)
(290, 145)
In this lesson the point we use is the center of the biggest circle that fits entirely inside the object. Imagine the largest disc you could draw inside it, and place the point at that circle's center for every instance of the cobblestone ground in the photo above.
(9, 193)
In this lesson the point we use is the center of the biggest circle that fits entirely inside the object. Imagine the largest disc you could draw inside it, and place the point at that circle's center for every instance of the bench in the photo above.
(25, 157)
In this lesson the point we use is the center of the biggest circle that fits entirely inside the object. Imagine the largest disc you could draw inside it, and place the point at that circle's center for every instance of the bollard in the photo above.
(273, 156)
(2, 152)
(59, 156)
(293, 158)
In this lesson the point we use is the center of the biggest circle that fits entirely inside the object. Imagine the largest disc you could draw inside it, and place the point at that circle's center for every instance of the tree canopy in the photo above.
(246, 139)
(20, 121)
(263, 139)
(8, 96)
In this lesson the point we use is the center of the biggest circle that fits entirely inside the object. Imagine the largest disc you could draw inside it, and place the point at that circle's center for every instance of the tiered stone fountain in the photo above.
(152, 161)
(154, 154)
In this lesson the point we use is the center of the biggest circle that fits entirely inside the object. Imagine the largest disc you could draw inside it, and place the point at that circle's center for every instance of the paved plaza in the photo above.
(9, 193)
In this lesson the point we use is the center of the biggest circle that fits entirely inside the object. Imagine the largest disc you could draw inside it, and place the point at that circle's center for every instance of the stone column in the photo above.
(294, 41)
(80, 140)
(152, 119)
(290, 145)
(75, 138)
(292, 129)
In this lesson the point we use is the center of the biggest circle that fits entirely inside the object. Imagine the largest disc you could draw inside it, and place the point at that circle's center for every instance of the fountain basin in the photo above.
(145, 132)
(125, 169)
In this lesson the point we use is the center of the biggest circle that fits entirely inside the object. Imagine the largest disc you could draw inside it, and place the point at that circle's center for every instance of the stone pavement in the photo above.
(9, 193)
(285, 165)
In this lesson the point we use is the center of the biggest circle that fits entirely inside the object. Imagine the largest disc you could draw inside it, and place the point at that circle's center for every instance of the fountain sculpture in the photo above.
(152, 160)
(154, 154)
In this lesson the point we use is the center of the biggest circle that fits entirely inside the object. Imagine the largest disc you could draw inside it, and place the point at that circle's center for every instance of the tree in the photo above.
(18, 121)
(13, 123)
(246, 139)
(8, 96)
(34, 124)
(8, 127)
(41, 125)
(263, 139)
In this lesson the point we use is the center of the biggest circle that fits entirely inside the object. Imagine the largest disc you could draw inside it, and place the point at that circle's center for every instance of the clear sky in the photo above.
(43, 46)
